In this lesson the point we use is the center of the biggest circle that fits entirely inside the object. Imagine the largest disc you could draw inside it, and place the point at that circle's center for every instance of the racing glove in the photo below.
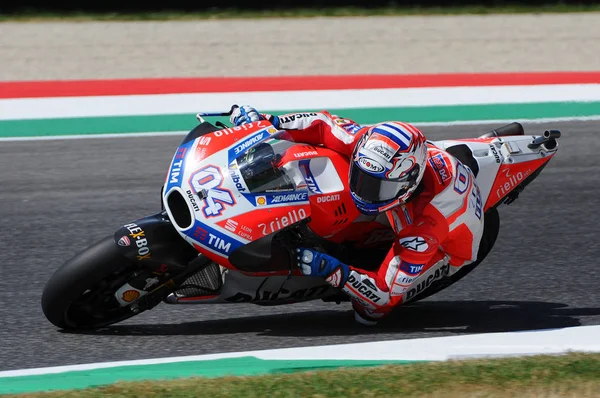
(314, 263)
(244, 114)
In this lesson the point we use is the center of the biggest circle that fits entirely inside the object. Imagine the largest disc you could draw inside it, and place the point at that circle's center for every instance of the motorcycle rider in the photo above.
(429, 198)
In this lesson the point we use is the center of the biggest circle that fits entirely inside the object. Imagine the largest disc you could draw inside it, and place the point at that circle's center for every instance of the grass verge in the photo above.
(572, 375)
(34, 15)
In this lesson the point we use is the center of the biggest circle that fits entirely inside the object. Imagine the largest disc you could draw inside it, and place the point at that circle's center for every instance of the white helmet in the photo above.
(387, 166)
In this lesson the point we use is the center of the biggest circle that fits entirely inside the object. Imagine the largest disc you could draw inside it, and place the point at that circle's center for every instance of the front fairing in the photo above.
(227, 188)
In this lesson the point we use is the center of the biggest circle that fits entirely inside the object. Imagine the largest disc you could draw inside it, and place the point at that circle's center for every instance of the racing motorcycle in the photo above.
(238, 201)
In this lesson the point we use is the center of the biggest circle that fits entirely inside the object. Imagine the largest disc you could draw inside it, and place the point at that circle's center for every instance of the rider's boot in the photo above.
(362, 317)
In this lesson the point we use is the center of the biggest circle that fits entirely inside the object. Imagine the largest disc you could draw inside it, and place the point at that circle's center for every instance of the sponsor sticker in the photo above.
(328, 198)
(237, 178)
(411, 269)
(401, 283)
(235, 227)
(305, 154)
(476, 202)
(382, 145)
(341, 122)
(176, 171)
(407, 215)
(425, 280)
(215, 240)
(309, 178)
(289, 197)
(364, 287)
(139, 236)
(369, 164)
(192, 200)
(335, 279)
(231, 225)
(347, 125)
(130, 295)
(293, 216)
(248, 127)
(248, 143)
(261, 200)
(201, 148)
(439, 165)
(204, 141)
(275, 199)
(509, 180)
(415, 243)
(124, 241)
(292, 117)
(180, 154)
(177, 167)
(495, 153)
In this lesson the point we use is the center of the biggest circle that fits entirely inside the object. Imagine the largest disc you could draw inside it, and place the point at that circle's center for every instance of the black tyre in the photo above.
(80, 294)
(490, 234)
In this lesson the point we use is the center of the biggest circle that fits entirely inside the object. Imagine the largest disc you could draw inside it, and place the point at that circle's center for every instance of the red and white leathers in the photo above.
(436, 233)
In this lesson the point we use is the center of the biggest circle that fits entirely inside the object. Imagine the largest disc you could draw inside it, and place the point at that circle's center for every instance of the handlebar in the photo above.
(233, 107)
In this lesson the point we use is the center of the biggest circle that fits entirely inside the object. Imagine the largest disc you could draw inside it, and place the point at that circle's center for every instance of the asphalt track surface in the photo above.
(59, 196)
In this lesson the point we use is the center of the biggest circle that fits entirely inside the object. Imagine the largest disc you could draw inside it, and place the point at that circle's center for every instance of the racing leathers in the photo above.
(436, 233)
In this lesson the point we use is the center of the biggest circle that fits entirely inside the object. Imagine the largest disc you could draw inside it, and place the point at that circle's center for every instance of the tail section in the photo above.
(504, 164)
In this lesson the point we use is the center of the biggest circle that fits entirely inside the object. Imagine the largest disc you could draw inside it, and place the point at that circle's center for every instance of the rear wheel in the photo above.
(81, 293)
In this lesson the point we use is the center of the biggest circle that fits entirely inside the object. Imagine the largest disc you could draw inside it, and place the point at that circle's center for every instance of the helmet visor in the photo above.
(373, 189)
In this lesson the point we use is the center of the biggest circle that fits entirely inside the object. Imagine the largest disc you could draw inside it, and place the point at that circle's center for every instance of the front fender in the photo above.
(153, 242)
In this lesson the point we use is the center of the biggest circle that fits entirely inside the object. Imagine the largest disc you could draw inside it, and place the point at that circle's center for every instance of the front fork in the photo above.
(163, 260)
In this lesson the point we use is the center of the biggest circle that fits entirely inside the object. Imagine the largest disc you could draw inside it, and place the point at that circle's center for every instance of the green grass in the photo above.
(573, 375)
(33, 15)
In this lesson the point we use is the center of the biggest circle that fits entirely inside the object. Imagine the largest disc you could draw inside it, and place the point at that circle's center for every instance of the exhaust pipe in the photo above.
(513, 128)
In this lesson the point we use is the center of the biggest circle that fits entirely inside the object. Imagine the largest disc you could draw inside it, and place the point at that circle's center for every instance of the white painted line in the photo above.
(104, 365)
(139, 105)
(555, 341)
(425, 124)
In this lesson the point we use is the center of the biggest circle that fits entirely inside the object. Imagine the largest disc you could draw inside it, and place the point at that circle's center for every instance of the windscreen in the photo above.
(260, 167)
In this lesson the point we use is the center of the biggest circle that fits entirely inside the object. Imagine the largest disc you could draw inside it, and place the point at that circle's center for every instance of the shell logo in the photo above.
(272, 130)
(261, 200)
(130, 295)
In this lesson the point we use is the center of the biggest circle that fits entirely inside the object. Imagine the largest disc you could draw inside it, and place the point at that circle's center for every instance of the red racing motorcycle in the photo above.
(238, 201)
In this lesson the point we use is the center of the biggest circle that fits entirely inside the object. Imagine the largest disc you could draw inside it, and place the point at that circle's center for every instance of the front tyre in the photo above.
(81, 293)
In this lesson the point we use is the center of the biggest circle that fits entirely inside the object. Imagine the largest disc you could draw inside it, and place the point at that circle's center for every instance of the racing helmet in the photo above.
(387, 166)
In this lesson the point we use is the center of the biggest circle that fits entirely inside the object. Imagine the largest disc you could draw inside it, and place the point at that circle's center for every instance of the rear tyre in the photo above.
(80, 294)
(491, 227)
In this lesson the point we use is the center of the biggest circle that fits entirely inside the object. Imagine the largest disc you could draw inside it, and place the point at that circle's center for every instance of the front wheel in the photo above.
(81, 293)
